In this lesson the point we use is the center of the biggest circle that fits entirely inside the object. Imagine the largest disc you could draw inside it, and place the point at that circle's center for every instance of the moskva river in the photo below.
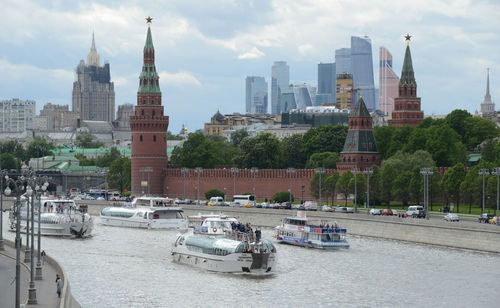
(120, 267)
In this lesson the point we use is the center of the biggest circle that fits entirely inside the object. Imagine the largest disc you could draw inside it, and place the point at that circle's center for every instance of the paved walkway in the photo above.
(45, 289)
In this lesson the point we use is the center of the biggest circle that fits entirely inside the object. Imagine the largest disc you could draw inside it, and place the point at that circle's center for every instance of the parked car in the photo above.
(310, 206)
(394, 212)
(326, 208)
(414, 209)
(418, 214)
(485, 217)
(386, 212)
(375, 212)
(285, 206)
(451, 217)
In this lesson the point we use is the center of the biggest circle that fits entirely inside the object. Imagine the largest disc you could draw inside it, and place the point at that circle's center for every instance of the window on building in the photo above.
(154, 138)
(142, 112)
(140, 138)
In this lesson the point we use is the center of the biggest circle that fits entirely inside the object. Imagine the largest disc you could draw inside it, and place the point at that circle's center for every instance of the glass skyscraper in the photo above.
(326, 84)
(362, 70)
(280, 83)
(343, 61)
(388, 82)
(256, 95)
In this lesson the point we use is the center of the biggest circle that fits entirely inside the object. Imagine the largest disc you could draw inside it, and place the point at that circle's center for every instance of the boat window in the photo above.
(139, 214)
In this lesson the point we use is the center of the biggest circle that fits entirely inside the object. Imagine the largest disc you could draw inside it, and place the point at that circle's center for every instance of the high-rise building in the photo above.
(59, 117)
(16, 115)
(256, 95)
(93, 91)
(149, 129)
(287, 101)
(362, 70)
(487, 106)
(407, 104)
(123, 116)
(304, 95)
(344, 91)
(326, 84)
(388, 81)
(280, 82)
(343, 61)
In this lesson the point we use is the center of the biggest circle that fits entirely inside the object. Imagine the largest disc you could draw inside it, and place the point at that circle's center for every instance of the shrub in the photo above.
(282, 196)
(213, 193)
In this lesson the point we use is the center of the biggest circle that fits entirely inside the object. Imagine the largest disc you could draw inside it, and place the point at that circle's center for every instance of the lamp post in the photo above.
(18, 190)
(234, 170)
(184, 172)
(29, 216)
(198, 170)
(3, 173)
(290, 171)
(496, 171)
(31, 182)
(41, 186)
(355, 171)
(426, 172)
(302, 190)
(483, 172)
(368, 171)
(254, 171)
(319, 171)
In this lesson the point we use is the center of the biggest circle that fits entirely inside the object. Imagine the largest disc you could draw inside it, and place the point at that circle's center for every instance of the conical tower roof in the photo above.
(360, 109)
(149, 79)
(93, 58)
(407, 74)
(149, 40)
(487, 97)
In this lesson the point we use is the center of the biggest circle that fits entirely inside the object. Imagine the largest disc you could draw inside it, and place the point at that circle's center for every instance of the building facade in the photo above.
(360, 149)
(220, 123)
(343, 61)
(123, 116)
(16, 115)
(93, 91)
(326, 84)
(362, 70)
(388, 82)
(344, 91)
(314, 116)
(149, 127)
(304, 94)
(256, 95)
(280, 82)
(407, 105)
(487, 106)
(59, 117)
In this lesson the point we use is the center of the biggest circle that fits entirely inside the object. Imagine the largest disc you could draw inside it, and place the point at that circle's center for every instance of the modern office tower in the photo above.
(16, 115)
(407, 104)
(123, 116)
(362, 70)
(287, 102)
(343, 61)
(326, 84)
(256, 95)
(93, 92)
(487, 106)
(59, 117)
(149, 127)
(304, 95)
(344, 91)
(280, 82)
(388, 82)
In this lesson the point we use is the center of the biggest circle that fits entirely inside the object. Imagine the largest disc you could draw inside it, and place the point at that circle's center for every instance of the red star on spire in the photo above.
(149, 19)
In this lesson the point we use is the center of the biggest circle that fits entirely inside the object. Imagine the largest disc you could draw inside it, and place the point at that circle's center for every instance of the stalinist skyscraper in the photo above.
(93, 92)
(487, 106)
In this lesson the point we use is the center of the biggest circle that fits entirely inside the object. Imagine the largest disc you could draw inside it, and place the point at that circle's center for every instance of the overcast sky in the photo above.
(205, 48)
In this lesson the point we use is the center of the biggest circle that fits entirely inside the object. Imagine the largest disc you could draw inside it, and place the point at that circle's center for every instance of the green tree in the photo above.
(330, 186)
(358, 187)
(327, 160)
(478, 129)
(292, 154)
(213, 193)
(15, 148)
(383, 137)
(87, 140)
(416, 186)
(375, 185)
(491, 151)
(282, 196)
(171, 136)
(435, 186)
(107, 159)
(444, 145)
(451, 182)
(238, 136)
(400, 139)
(400, 187)
(120, 174)
(389, 174)
(8, 161)
(263, 151)
(471, 188)
(456, 120)
(325, 138)
(39, 147)
(343, 185)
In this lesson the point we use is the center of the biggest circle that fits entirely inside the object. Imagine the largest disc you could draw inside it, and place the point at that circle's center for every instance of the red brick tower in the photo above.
(407, 105)
(149, 128)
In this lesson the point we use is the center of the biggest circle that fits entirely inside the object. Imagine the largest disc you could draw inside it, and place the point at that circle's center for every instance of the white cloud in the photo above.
(18, 73)
(180, 79)
(254, 53)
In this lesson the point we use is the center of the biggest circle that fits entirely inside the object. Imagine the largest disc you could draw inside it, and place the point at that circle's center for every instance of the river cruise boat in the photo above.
(311, 232)
(216, 245)
(145, 212)
(58, 218)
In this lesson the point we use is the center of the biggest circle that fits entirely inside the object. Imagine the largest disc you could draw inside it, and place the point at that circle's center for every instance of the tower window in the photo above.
(154, 138)
(153, 113)
(140, 138)
(142, 112)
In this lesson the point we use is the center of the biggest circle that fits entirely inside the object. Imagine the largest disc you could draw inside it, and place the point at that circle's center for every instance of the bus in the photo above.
(244, 200)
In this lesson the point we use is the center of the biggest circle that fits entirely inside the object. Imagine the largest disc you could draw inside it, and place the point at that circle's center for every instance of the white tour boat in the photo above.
(145, 212)
(58, 217)
(311, 232)
(216, 245)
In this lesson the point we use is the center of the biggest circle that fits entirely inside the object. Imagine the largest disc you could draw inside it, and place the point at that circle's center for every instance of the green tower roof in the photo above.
(407, 75)
(149, 40)
(149, 79)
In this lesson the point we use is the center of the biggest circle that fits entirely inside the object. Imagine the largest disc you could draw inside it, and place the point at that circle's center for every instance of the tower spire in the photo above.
(93, 41)
(149, 79)
(407, 75)
(487, 96)
(93, 58)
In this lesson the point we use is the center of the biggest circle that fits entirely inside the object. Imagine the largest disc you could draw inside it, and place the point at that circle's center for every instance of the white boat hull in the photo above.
(144, 223)
(78, 229)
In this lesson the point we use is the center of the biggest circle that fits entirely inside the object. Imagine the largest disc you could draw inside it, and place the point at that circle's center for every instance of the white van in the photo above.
(216, 201)
(414, 210)
(310, 206)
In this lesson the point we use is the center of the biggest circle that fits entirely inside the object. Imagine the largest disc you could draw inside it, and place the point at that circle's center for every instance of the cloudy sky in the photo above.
(205, 48)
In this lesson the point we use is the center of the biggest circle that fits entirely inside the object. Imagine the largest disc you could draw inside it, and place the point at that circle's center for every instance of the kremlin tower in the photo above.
(407, 104)
(149, 128)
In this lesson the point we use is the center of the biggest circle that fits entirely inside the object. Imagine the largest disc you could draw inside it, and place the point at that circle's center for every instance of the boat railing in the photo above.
(240, 236)
(324, 229)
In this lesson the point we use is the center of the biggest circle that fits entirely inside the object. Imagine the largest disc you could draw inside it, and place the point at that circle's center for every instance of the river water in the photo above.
(121, 267)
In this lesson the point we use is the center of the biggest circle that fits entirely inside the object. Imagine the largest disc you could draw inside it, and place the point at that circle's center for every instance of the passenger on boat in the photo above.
(258, 235)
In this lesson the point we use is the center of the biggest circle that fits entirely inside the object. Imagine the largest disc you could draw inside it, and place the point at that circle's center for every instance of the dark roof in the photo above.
(219, 117)
(358, 141)
(407, 74)
(360, 109)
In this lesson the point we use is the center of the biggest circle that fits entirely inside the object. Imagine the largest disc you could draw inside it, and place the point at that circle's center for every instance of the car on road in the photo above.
(344, 209)
(451, 217)
(310, 206)
(485, 217)
(375, 212)
(414, 210)
(387, 212)
(285, 206)
(326, 208)
(418, 214)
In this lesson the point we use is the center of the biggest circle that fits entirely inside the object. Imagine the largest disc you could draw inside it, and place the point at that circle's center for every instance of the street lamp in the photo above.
(17, 191)
(290, 171)
(41, 186)
(234, 170)
(3, 173)
(254, 171)
(302, 198)
(426, 172)
(319, 171)
(198, 170)
(184, 172)
(483, 172)
(30, 215)
(496, 171)
(368, 171)
(355, 171)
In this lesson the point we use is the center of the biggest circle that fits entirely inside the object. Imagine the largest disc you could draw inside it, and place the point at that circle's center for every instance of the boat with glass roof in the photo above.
(311, 232)
(58, 217)
(145, 212)
(222, 244)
